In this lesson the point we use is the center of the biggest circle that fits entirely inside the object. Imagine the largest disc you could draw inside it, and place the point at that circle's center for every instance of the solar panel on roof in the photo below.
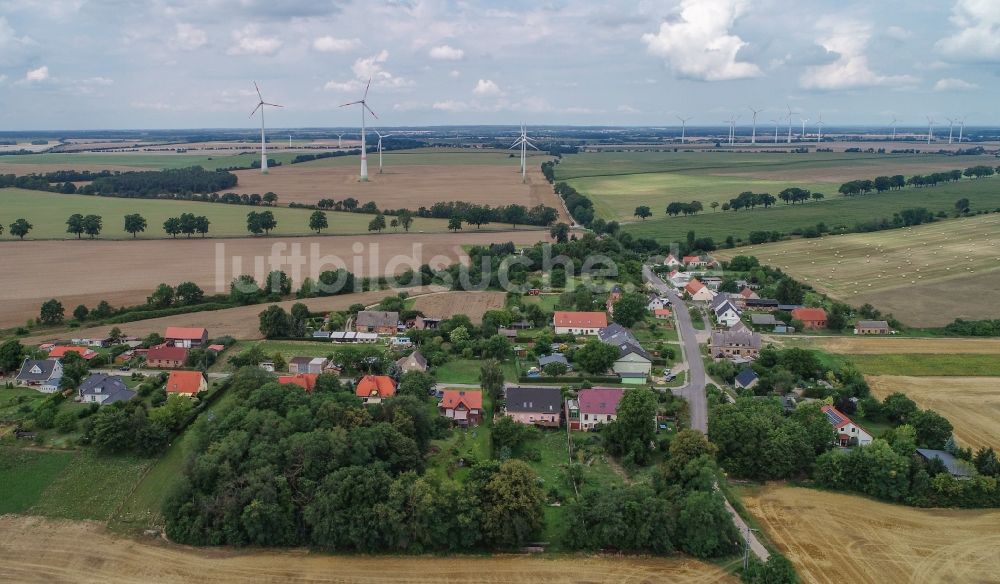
(835, 419)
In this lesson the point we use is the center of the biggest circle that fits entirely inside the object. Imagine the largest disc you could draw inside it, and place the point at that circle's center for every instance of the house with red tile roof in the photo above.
(463, 406)
(848, 433)
(166, 357)
(187, 337)
(59, 352)
(662, 314)
(812, 318)
(579, 323)
(372, 389)
(592, 407)
(306, 381)
(698, 291)
(187, 383)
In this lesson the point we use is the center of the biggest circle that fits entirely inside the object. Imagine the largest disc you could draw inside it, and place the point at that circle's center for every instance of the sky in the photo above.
(118, 64)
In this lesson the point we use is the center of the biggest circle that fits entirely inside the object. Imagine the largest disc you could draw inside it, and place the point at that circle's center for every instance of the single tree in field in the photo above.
(455, 223)
(318, 221)
(961, 205)
(559, 232)
(52, 312)
(817, 196)
(642, 212)
(405, 219)
(270, 198)
(377, 224)
(135, 223)
(201, 224)
(267, 221)
(187, 224)
(172, 226)
(74, 225)
(189, 293)
(514, 214)
(714, 205)
(394, 224)
(80, 312)
(20, 228)
(92, 225)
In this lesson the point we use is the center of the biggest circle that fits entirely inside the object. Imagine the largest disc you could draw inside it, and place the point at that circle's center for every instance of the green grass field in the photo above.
(467, 371)
(91, 486)
(145, 160)
(17, 402)
(48, 212)
(25, 474)
(835, 211)
(956, 364)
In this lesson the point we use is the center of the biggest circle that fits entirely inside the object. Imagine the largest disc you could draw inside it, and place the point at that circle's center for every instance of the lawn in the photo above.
(48, 212)
(547, 302)
(466, 371)
(25, 474)
(16, 402)
(91, 486)
(146, 160)
(834, 211)
(957, 364)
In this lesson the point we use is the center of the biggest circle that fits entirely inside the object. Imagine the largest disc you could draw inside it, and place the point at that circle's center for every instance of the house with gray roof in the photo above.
(376, 321)
(746, 379)
(764, 320)
(535, 406)
(415, 361)
(615, 334)
(41, 374)
(553, 358)
(872, 327)
(104, 389)
(729, 344)
(632, 358)
(956, 468)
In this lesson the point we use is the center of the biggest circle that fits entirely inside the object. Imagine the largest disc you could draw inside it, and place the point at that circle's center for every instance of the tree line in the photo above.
(881, 184)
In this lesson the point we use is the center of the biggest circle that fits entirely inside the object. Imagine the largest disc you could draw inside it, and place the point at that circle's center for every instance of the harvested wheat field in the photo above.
(448, 304)
(23, 169)
(41, 550)
(919, 274)
(895, 345)
(971, 404)
(126, 272)
(408, 186)
(837, 539)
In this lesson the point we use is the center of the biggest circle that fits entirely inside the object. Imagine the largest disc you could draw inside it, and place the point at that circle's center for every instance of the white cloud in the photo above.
(329, 44)
(248, 41)
(98, 81)
(343, 86)
(627, 109)
(851, 70)
(446, 53)
(37, 75)
(454, 73)
(699, 45)
(3, 78)
(978, 38)
(12, 47)
(486, 88)
(898, 33)
(366, 68)
(953, 84)
(452, 106)
(188, 38)
(159, 106)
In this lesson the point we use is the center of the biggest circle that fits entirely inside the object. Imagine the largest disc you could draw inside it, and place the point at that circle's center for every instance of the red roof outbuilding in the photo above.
(563, 318)
(599, 401)
(306, 381)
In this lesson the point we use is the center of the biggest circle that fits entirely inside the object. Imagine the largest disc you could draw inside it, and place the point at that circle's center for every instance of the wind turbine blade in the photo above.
(351, 103)
(273, 104)
(366, 90)
(258, 91)
(255, 109)
(532, 145)
(369, 109)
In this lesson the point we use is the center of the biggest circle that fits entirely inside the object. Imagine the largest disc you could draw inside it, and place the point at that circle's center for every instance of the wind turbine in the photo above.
(961, 129)
(894, 120)
(753, 132)
(732, 129)
(819, 129)
(364, 107)
(789, 123)
(684, 122)
(524, 142)
(263, 141)
(951, 128)
(380, 136)
(340, 143)
(930, 129)
(776, 122)
(802, 136)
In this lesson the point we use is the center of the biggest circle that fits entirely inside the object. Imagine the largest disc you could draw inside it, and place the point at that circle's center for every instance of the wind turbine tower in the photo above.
(340, 143)
(380, 136)
(789, 124)
(930, 129)
(894, 120)
(819, 129)
(961, 129)
(753, 132)
(951, 128)
(263, 140)
(524, 142)
(364, 108)
(802, 136)
(776, 123)
(684, 122)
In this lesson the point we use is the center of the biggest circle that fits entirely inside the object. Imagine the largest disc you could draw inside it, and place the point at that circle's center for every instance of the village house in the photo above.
(426, 323)
(376, 321)
(746, 379)
(415, 361)
(372, 389)
(678, 279)
(634, 364)
(698, 292)
(534, 406)
(554, 358)
(166, 357)
(314, 365)
(59, 352)
(462, 406)
(671, 261)
(955, 467)
(725, 311)
(848, 433)
(765, 320)
(713, 282)
(104, 389)
(661, 314)
(657, 302)
(703, 261)
(747, 294)
(41, 374)
(729, 344)
(186, 383)
(872, 327)
(578, 323)
(592, 407)
(811, 318)
(306, 381)
(187, 337)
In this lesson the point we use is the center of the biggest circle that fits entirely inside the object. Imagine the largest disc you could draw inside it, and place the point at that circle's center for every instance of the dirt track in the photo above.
(126, 272)
(838, 539)
(41, 550)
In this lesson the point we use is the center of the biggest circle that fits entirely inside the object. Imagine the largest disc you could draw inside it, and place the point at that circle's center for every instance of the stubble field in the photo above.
(927, 275)
(472, 304)
(126, 272)
(836, 538)
(971, 404)
(864, 345)
(42, 550)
